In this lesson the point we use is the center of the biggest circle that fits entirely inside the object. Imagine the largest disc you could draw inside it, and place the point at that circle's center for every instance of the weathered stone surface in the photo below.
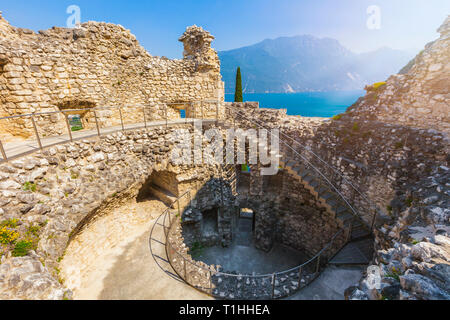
(98, 65)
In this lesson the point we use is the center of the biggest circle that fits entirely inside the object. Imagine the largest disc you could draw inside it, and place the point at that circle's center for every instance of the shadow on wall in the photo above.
(162, 185)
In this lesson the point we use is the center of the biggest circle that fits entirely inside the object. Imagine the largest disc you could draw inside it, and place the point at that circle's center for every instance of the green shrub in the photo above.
(378, 85)
(355, 126)
(337, 117)
(8, 236)
(22, 248)
(399, 145)
(196, 249)
(409, 201)
(10, 223)
(33, 231)
(395, 274)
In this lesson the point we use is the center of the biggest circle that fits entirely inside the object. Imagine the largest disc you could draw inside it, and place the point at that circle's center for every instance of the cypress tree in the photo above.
(238, 92)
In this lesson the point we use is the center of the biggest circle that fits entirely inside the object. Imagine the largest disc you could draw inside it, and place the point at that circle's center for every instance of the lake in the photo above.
(307, 104)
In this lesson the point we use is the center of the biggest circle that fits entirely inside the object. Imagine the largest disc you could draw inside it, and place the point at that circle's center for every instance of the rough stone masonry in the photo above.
(97, 65)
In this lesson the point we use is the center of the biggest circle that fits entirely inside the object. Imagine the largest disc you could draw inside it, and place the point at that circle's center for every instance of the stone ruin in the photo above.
(392, 144)
(99, 65)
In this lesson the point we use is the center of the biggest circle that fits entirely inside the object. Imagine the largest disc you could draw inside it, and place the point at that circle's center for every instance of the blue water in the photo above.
(307, 104)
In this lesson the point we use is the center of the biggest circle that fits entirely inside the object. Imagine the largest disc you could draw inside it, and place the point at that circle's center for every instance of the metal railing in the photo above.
(226, 285)
(140, 115)
(319, 173)
(193, 108)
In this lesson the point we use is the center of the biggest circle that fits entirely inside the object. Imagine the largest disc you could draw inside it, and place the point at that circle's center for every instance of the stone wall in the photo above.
(401, 170)
(288, 214)
(54, 193)
(99, 65)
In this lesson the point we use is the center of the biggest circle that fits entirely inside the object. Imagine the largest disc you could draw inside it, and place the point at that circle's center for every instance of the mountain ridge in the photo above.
(307, 63)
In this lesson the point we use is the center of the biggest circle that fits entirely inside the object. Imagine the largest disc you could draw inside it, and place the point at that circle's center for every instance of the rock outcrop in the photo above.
(419, 96)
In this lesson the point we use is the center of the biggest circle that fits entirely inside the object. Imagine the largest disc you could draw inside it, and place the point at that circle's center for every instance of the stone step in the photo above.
(360, 233)
(332, 202)
(345, 216)
(315, 183)
(327, 195)
(308, 178)
(355, 253)
(164, 195)
(290, 163)
(304, 173)
(322, 190)
(341, 209)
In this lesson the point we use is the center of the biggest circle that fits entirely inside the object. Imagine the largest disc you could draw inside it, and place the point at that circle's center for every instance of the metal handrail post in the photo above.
(145, 119)
(36, 132)
(217, 113)
(374, 219)
(3, 151)
(210, 281)
(273, 285)
(166, 116)
(185, 269)
(68, 126)
(201, 107)
(121, 118)
(300, 276)
(96, 122)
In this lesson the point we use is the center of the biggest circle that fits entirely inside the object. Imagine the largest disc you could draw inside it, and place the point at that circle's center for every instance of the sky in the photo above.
(399, 24)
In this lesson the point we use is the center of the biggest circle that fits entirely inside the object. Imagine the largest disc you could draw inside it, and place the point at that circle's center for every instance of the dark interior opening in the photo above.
(210, 221)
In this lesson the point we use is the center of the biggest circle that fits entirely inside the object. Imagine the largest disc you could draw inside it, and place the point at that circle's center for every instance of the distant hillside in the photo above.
(307, 63)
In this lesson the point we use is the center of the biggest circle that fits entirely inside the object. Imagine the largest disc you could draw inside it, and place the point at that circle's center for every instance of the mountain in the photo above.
(307, 63)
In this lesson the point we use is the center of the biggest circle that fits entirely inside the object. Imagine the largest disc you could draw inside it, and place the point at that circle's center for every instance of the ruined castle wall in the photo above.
(287, 213)
(375, 165)
(97, 65)
(68, 186)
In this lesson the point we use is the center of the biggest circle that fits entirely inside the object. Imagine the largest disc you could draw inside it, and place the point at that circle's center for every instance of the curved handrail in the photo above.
(210, 271)
(371, 204)
(317, 170)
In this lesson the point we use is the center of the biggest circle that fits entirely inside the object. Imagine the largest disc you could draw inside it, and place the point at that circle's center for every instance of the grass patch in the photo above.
(389, 209)
(76, 128)
(28, 186)
(22, 248)
(33, 231)
(355, 127)
(409, 201)
(337, 117)
(196, 250)
(395, 274)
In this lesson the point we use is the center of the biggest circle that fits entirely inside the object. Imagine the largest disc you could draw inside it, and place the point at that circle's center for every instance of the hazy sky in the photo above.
(404, 24)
